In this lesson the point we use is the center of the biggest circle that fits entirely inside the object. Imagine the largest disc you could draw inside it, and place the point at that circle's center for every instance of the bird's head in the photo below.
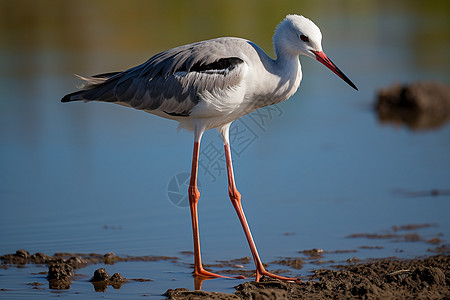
(297, 35)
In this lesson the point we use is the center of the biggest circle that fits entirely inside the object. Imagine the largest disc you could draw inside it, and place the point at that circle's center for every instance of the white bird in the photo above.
(210, 84)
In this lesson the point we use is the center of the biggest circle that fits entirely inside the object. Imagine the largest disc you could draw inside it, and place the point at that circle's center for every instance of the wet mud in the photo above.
(335, 276)
(420, 105)
(62, 266)
(59, 275)
(76, 260)
(401, 234)
(427, 278)
(101, 280)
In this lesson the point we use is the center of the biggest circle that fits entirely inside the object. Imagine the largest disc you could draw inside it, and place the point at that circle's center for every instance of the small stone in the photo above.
(117, 280)
(100, 275)
(59, 276)
(59, 271)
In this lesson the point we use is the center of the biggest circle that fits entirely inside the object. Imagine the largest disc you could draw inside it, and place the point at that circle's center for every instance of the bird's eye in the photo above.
(304, 38)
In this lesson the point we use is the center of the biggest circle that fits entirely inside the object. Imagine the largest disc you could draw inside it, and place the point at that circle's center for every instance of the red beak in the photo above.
(321, 56)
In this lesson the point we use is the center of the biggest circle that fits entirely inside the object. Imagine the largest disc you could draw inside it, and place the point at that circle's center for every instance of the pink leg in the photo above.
(235, 197)
(194, 195)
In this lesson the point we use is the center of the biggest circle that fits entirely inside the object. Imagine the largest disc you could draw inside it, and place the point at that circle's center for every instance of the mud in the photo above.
(396, 234)
(295, 263)
(76, 260)
(61, 267)
(59, 275)
(421, 105)
(427, 278)
(101, 280)
(348, 277)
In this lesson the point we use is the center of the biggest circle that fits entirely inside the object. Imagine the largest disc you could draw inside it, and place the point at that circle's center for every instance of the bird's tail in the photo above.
(72, 97)
(89, 84)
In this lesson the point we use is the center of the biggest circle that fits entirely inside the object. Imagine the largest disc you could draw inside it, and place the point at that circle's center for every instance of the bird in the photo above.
(208, 85)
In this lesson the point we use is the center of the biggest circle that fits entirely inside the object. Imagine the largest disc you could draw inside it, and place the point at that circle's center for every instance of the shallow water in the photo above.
(102, 178)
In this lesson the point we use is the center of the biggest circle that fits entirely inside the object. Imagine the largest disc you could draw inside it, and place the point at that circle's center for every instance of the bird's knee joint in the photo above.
(193, 193)
(234, 195)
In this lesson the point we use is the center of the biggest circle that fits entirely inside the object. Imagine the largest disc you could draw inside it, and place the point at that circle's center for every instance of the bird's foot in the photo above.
(266, 273)
(206, 274)
(202, 275)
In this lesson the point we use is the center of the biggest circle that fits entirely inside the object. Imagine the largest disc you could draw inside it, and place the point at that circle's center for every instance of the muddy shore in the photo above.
(425, 278)
(347, 277)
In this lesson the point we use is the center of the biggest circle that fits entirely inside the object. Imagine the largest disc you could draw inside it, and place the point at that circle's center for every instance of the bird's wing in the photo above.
(171, 81)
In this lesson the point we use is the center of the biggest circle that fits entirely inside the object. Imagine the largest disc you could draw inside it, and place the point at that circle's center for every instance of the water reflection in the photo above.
(420, 105)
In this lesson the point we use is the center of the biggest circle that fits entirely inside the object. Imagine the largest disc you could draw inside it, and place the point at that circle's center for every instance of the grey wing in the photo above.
(170, 81)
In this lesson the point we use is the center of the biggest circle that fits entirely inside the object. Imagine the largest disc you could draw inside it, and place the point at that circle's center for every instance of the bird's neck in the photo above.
(283, 81)
(284, 60)
(288, 69)
(276, 79)
(282, 52)
(287, 64)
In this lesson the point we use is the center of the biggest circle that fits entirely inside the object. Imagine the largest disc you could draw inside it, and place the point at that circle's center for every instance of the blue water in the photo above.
(96, 177)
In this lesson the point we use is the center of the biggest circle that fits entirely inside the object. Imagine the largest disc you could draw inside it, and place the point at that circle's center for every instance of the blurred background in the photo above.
(103, 178)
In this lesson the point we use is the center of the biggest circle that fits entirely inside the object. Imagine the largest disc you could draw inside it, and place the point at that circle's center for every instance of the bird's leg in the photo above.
(194, 195)
(235, 197)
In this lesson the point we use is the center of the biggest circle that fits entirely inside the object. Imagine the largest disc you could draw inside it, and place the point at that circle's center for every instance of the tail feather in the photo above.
(87, 87)
(106, 75)
(75, 96)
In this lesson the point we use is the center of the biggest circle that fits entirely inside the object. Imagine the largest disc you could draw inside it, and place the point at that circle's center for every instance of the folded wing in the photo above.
(171, 82)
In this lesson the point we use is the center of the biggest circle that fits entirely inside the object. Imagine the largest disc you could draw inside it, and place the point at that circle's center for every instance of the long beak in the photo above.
(322, 57)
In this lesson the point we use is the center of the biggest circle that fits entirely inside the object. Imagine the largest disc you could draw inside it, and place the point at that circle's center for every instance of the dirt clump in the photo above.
(59, 275)
(101, 280)
(293, 262)
(100, 275)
